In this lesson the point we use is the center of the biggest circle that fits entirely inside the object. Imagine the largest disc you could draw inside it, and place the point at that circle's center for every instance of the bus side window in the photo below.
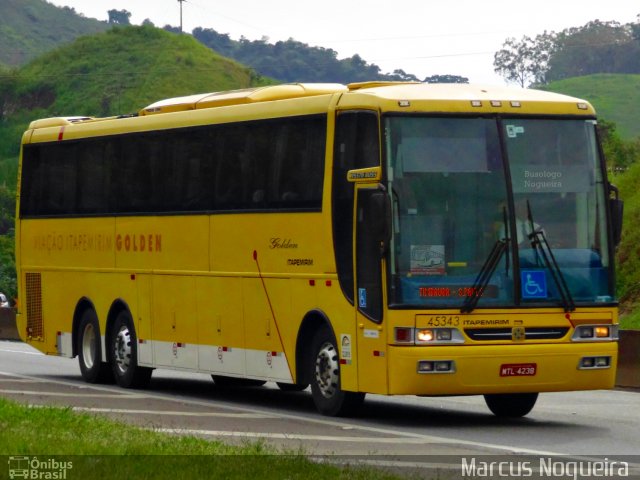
(299, 164)
(357, 145)
(228, 186)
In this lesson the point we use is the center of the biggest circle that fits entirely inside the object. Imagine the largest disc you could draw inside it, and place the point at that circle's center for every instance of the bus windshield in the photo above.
(465, 228)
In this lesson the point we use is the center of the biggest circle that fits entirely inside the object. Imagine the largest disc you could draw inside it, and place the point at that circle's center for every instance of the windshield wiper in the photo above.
(540, 244)
(486, 272)
(484, 276)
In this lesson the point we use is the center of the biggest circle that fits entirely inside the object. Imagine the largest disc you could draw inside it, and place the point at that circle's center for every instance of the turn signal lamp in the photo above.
(404, 335)
(427, 336)
(591, 333)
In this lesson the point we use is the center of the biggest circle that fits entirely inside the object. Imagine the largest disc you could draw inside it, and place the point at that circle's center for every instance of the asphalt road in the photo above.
(594, 424)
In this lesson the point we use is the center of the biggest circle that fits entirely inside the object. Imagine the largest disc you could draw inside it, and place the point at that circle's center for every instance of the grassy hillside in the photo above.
(124, 69)
(116, 72)
(29, 28)
(119, 71)
(615, 97)
(628, 255)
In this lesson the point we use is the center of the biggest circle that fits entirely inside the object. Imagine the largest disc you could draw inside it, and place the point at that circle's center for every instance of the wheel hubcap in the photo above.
(122, 349)
(88, 346)
(327, 370)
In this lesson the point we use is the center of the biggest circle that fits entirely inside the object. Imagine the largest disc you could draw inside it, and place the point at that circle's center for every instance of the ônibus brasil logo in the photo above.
(34, 468)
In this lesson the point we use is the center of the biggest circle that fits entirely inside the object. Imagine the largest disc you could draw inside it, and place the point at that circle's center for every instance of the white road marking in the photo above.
(292, 436)
(21, 351)
(170, 412)
(19, 380)
(61, 394)
(484, 446)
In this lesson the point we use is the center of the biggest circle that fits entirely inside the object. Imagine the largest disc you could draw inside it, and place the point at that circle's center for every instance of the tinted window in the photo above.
(261, 165)
(357, 145)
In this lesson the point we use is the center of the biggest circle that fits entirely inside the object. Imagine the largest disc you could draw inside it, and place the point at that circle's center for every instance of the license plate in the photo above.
(518, 369)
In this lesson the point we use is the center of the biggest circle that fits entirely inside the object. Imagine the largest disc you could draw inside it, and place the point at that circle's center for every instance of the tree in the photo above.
(172, 29)
(527, 61)
(635, 29)
(619, 154)
(402, 76)
(119, 17)
(596, 47)
(7, 242)
(446, 79)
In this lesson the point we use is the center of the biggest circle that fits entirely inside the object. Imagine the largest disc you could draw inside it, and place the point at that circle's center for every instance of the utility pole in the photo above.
(180, 2)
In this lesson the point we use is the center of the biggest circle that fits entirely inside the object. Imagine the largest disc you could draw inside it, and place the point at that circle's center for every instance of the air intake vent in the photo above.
(35, 325)
(535, 333)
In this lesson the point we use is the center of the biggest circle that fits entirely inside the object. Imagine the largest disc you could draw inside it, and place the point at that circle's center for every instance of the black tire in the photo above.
(89, 348)
(233, 382)
(123, 354)
(292, 387)
(326, 391)
(511, 405)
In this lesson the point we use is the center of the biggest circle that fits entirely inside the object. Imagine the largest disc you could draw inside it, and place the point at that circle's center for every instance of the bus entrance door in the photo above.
(372, 351)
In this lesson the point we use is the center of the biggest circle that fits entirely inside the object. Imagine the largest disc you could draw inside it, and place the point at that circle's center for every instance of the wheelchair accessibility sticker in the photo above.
(362, 298)
(533, 284)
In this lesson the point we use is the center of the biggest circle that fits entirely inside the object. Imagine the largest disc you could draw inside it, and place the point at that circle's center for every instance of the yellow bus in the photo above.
(385, 238)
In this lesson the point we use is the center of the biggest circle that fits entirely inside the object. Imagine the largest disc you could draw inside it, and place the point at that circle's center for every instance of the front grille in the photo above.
(35, 322)
(531, 333)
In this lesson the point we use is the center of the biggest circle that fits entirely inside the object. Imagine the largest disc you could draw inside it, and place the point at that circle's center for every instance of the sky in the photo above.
(422, 37)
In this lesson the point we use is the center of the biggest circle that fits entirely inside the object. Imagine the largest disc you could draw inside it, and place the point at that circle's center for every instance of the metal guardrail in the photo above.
(628, 358)
(8, 329)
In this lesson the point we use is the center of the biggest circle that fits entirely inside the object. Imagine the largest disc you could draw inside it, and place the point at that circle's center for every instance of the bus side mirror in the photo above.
(616, 210)
(380, 208)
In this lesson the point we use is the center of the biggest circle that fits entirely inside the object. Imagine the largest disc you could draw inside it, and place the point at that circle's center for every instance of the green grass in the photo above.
(630, 320)
(101, 448)
(119, 71)
(628, 253)
(615, 97)
(29, 28)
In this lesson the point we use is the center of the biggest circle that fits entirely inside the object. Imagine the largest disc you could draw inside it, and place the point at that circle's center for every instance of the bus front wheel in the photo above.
(511, 405)
(89, 348)
(123, 354)
(327, 394)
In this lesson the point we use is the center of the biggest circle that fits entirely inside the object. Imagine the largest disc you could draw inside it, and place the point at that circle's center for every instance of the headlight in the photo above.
(436, 366)
(595, 333)
(427, 336)
(594, 363)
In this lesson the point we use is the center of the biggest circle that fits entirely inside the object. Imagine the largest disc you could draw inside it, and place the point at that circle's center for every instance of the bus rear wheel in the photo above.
(511, 405)
(123, 354)
(326, 391)
(89, 348)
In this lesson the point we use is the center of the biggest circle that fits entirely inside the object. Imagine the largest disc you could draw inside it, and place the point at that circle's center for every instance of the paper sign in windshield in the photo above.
(427, 260)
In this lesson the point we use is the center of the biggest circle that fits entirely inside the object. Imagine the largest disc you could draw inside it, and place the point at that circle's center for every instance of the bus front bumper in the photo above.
(500, 368)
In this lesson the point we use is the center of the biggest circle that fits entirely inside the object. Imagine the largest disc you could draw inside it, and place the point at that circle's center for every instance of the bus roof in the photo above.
(461, 97)
(386, 96)
(237, 97)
